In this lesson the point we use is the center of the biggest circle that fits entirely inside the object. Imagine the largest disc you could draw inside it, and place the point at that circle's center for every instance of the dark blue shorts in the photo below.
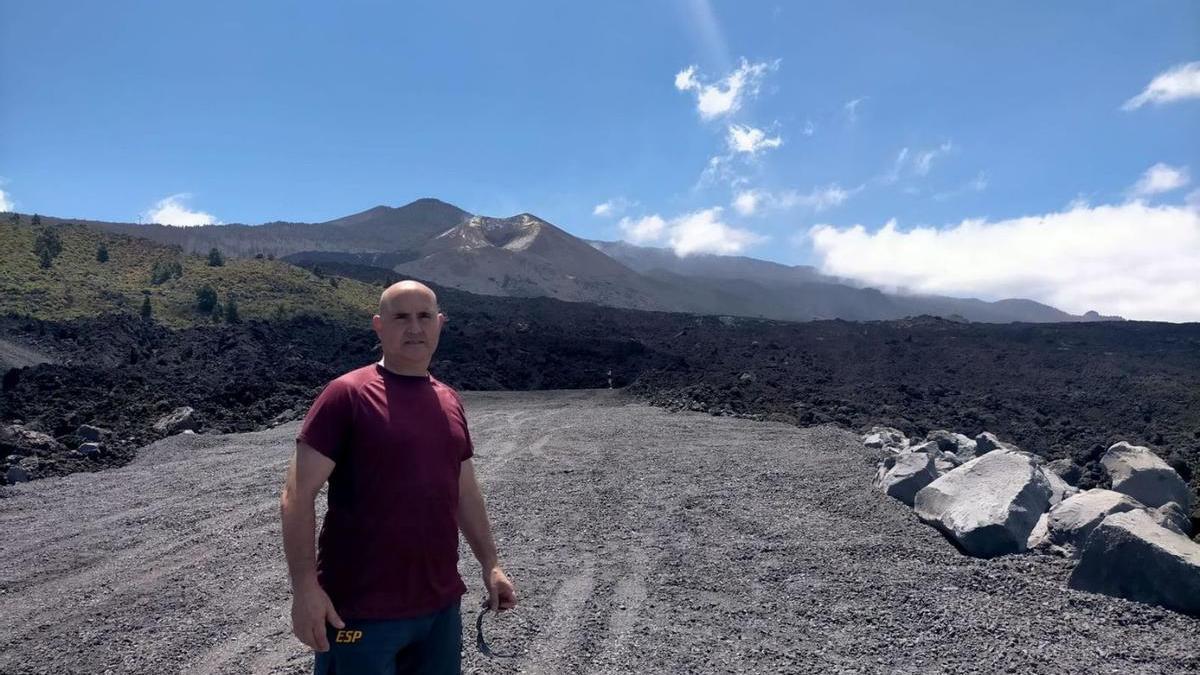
(430, 645)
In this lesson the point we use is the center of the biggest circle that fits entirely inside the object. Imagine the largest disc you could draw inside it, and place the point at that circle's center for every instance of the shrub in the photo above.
(231, 310)
(47, 247)
(102, 253)
(165, 270)
(215, 259)
(206, 299)
(147, 310)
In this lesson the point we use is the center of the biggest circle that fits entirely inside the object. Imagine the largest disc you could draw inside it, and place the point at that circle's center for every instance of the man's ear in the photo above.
(442, 319)
(376, 322)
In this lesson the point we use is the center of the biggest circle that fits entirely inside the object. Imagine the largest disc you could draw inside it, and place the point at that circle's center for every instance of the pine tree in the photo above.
(47, 247)
(215, 259)
(37, 220)
(206, 299)
(147, 310)
(102, 253)
(231, 310)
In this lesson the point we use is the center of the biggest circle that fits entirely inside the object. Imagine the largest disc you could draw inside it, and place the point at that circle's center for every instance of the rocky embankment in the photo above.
(1061, 391)
(990, 498)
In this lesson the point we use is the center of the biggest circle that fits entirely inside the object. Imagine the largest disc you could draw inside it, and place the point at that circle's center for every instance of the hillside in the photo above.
(78, 285)
(526, 256)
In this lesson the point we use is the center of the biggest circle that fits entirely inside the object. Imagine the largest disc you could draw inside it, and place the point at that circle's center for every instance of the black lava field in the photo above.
(1060, 390)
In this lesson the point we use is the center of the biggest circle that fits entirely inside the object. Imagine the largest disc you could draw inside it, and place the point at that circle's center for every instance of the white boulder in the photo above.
(1143, 475)
(907, 475)
(988, 506)
(1128, 555)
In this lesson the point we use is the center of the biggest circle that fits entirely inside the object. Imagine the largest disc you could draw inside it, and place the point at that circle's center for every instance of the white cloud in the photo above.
(923, 162)
(726, 95)
(1158, 179)
(977, 184)
(809, 129)
(643, 230)
(746, 202)
(897, 166)
(1132, 259)
(1178, 83)
(696, 232)
(852, 109)
(749, 202)
(703, 232)
(612, 207)
(750, 140)
(172, 211)
(6, 203)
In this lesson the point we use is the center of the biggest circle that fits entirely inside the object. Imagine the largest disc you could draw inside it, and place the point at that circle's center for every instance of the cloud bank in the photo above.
(696, 232)
(172, 211)
(1132, 259)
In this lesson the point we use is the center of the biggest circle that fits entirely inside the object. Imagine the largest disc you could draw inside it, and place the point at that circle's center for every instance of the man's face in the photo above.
(408, 327)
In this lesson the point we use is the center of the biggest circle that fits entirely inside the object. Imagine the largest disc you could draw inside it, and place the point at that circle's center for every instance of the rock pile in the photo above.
(990, 498)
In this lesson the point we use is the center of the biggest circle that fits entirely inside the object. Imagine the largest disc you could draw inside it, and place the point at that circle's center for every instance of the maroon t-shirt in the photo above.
(389, 546)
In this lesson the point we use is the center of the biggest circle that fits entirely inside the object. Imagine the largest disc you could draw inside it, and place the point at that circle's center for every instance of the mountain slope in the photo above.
(77, 284)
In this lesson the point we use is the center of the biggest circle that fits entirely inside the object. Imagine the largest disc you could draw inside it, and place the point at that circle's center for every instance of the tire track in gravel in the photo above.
(640, 541)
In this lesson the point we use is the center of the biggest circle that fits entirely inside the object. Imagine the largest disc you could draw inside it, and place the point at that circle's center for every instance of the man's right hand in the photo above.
(311, 610)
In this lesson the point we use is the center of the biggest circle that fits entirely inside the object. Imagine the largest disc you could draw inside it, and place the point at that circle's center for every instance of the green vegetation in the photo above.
(215, 259)
(78, 284)
(47, 247)
(231, 310)
(102, 253)
(206, 299)
(165, 270)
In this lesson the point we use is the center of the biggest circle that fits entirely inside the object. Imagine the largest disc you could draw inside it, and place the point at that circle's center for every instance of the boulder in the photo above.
(88, 432)
(28, 441)
(945, 462)
(1173, 517)
(884, 437)
(1039, 537)
(1128, 555)
(989, 505)
(986, 442)
(16, 474)
(952, 442)
(1067, 470)
(179, 419)
(909, 473)
(1059, 490)
(89, 449)
(1073, 520)
(1143, 475)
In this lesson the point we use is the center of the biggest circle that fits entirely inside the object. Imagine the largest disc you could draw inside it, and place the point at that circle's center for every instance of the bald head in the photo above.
(405, 292)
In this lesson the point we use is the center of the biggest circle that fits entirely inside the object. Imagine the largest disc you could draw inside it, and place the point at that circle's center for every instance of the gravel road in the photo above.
(640, 541)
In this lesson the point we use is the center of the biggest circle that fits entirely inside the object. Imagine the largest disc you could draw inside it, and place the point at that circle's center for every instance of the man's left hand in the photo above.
(501, 594)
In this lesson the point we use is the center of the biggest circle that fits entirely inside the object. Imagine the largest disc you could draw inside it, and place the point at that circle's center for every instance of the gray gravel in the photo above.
(640, 541)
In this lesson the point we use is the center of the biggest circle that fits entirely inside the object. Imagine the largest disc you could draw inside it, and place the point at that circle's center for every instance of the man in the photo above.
(382, 594)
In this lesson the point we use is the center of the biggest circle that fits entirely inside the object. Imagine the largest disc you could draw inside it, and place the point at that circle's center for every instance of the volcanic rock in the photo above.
(952, 442)
(1131, 556)
(988, 506)
(1067, 470)
(88, 432)
(179, 419)
(910, 472)
(1070, 522)
(1143, 475)
(1172, 516)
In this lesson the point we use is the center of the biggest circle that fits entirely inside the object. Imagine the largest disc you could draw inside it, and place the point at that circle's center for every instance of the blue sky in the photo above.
(928, 115)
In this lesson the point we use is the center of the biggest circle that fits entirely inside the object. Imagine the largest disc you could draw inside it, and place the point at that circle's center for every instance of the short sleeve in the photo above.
(468, 448)
(327, 425)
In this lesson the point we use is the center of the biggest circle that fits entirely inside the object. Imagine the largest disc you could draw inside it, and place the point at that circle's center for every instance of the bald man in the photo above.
(382, 592)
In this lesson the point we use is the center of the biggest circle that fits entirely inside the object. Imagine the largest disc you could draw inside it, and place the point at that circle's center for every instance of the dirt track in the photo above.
(640, 541)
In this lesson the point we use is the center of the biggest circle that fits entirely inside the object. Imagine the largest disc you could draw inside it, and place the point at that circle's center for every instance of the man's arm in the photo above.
(473, 521)
(311, 607)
